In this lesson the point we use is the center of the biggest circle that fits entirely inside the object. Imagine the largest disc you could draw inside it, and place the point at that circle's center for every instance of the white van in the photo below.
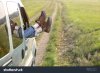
(15, 51)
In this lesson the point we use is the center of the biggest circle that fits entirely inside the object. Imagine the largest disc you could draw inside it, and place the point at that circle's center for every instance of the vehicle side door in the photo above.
(18, 43)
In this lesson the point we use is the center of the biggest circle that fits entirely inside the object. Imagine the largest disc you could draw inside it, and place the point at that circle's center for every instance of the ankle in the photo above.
(36, 25)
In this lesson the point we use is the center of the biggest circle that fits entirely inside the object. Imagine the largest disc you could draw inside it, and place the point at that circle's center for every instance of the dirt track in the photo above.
(42, 43)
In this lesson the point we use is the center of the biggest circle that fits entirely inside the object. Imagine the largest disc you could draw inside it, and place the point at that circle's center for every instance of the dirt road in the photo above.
(42, 43)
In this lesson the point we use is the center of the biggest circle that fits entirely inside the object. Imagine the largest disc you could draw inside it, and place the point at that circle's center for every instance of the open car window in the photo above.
(14, 16)
(4, 39)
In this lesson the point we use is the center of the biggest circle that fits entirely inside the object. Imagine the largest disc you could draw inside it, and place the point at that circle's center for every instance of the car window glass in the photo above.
(14, 16)
(4, 39)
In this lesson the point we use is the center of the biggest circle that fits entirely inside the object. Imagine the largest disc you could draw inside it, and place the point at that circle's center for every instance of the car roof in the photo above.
(17, 1)
(2, 18)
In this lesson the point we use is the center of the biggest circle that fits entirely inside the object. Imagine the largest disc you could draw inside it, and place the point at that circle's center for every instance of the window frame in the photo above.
(21, 21)
(6, 57)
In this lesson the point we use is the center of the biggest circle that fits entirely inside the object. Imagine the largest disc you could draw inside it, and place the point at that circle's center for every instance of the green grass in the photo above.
(85, 32)
(84, 13)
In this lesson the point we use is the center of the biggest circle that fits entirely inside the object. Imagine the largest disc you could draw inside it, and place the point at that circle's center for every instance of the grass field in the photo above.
(83, 37)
